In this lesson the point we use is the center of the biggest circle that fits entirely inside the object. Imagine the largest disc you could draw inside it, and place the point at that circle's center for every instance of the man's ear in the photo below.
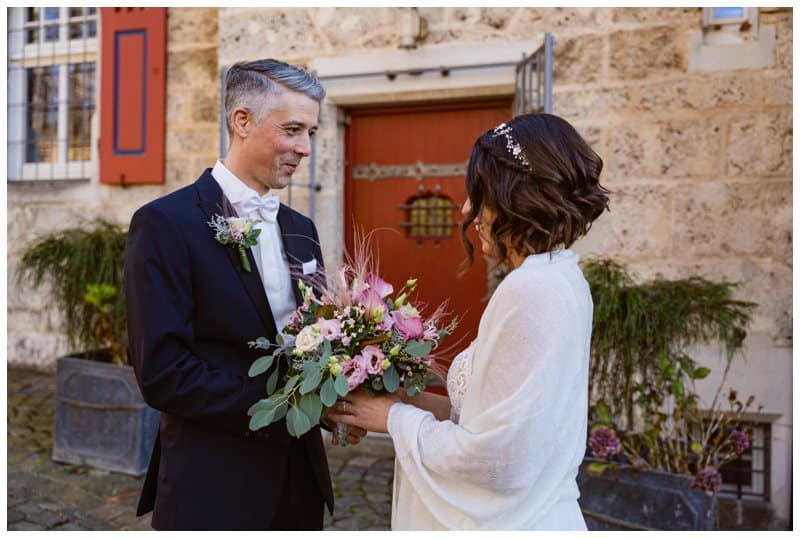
(241, 121)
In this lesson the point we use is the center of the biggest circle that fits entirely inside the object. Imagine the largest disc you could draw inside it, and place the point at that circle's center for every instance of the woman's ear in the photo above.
(240, 121)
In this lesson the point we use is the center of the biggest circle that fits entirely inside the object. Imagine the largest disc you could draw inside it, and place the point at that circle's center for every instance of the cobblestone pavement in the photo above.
(45, 495)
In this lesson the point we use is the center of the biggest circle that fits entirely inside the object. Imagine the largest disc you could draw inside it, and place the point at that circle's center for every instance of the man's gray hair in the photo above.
(247, 83)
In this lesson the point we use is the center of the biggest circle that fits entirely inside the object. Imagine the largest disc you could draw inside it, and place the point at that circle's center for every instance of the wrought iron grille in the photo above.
(429, 216)
(52, 54)
(534, 87)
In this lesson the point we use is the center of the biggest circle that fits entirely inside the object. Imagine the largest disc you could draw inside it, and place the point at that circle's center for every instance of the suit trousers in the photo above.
(302, 506)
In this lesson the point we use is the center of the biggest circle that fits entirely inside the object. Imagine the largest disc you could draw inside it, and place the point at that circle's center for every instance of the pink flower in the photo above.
(380, 286)
(373, 305)
(356, 372)
(372, 356)
(408, 322)
(330, 329)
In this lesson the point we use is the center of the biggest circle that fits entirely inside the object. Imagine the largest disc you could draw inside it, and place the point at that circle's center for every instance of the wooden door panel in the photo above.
(388, 143)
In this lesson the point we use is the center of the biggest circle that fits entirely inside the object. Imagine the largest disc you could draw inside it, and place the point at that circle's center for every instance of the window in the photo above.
(52, 58)
(730, 23)
(430, 216)
(748, 476)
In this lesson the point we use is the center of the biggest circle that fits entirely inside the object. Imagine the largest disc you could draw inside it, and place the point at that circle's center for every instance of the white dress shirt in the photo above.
(269, 253)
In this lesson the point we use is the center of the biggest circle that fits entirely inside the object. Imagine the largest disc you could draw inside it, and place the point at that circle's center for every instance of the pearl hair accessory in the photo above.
(511, 145)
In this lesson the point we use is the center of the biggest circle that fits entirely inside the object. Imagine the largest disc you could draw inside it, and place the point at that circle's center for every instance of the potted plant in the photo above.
(655, 455)
(100, 418)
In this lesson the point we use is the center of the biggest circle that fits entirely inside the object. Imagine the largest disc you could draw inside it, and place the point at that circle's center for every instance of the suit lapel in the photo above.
(292, 245)
(212, 202)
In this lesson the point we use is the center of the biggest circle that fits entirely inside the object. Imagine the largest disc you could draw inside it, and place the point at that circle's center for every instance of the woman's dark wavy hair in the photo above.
(541, 207)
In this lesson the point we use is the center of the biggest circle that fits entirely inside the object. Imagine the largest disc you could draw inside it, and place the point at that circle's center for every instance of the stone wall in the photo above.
(35, 209)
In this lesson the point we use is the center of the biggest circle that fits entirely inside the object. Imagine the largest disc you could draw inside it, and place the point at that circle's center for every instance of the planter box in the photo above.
(626, 499)
(101, 419)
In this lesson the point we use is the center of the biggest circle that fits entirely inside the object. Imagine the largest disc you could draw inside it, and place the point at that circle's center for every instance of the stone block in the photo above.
(570, 20)
(638, 225)
(782, 21)
(206, 106)
(760, 144)
(630, 151)
(657, 15)
(177, 114)
(193, 69)
(778, 89)
(740, 88)
(582, 104)
(38, 350)
(193, 26)
(285, 33)
(578, 59)
(672, 95)
(648, 52)
(733, 219)
(191, 141)
(347, 27)
(689, 147)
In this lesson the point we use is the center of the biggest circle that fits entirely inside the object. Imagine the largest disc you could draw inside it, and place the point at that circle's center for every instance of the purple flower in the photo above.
(604, 443)
(741, 441)
(708, 479)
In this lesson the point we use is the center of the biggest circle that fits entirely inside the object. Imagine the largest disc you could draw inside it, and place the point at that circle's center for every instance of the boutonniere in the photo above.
(236, 231)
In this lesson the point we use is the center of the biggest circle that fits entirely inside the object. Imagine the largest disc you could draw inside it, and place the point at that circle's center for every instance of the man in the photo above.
(193, 304)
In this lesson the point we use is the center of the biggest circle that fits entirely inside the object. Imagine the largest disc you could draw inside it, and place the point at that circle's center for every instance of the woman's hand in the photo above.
(364, 411)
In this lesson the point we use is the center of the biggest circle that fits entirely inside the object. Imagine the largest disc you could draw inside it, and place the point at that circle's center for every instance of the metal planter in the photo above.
(626, 499)
(101, 419)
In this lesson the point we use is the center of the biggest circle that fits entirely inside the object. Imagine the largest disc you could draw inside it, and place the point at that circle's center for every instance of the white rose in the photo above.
(238, 224)
(308, 339)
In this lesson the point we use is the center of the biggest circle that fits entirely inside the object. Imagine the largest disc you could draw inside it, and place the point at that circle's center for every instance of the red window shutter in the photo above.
(132, 95)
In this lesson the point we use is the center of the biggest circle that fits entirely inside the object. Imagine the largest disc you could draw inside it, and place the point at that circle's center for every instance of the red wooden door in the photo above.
(396, 155)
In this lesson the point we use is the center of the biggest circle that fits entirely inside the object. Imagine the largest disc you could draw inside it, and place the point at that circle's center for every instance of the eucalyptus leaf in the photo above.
(326, 350)
(299, 421)
(340, 385)
(291, 383)
(262, 419)
(272, 382)
(418, 349)
(290, 422)
(279, 337)
(311, 381)
(700, 373)
(261, 365)
(391, 379)
(328, 393)
(311, 405)
(280, 411)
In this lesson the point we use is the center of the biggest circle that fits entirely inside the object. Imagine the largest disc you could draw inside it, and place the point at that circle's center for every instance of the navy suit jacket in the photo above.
(191, 311)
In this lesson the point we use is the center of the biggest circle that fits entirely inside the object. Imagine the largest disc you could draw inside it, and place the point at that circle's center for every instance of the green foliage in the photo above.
(641, 377)
(70, 261)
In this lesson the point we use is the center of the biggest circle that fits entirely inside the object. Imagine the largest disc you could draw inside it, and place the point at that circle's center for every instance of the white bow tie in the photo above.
(267, 206)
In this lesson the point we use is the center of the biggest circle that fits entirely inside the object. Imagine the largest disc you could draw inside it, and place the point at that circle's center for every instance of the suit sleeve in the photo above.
(159, 303)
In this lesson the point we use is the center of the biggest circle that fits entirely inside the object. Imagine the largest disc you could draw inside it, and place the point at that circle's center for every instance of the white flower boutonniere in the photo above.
(236, 231)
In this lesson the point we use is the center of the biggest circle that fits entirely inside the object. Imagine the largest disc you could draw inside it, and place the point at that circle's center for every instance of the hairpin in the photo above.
(511, 145)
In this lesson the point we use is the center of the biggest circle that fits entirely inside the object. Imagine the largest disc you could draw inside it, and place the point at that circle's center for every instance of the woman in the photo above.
(503, 451)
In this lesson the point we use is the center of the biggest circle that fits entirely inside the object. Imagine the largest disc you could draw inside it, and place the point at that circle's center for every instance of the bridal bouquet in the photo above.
(355, 335)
